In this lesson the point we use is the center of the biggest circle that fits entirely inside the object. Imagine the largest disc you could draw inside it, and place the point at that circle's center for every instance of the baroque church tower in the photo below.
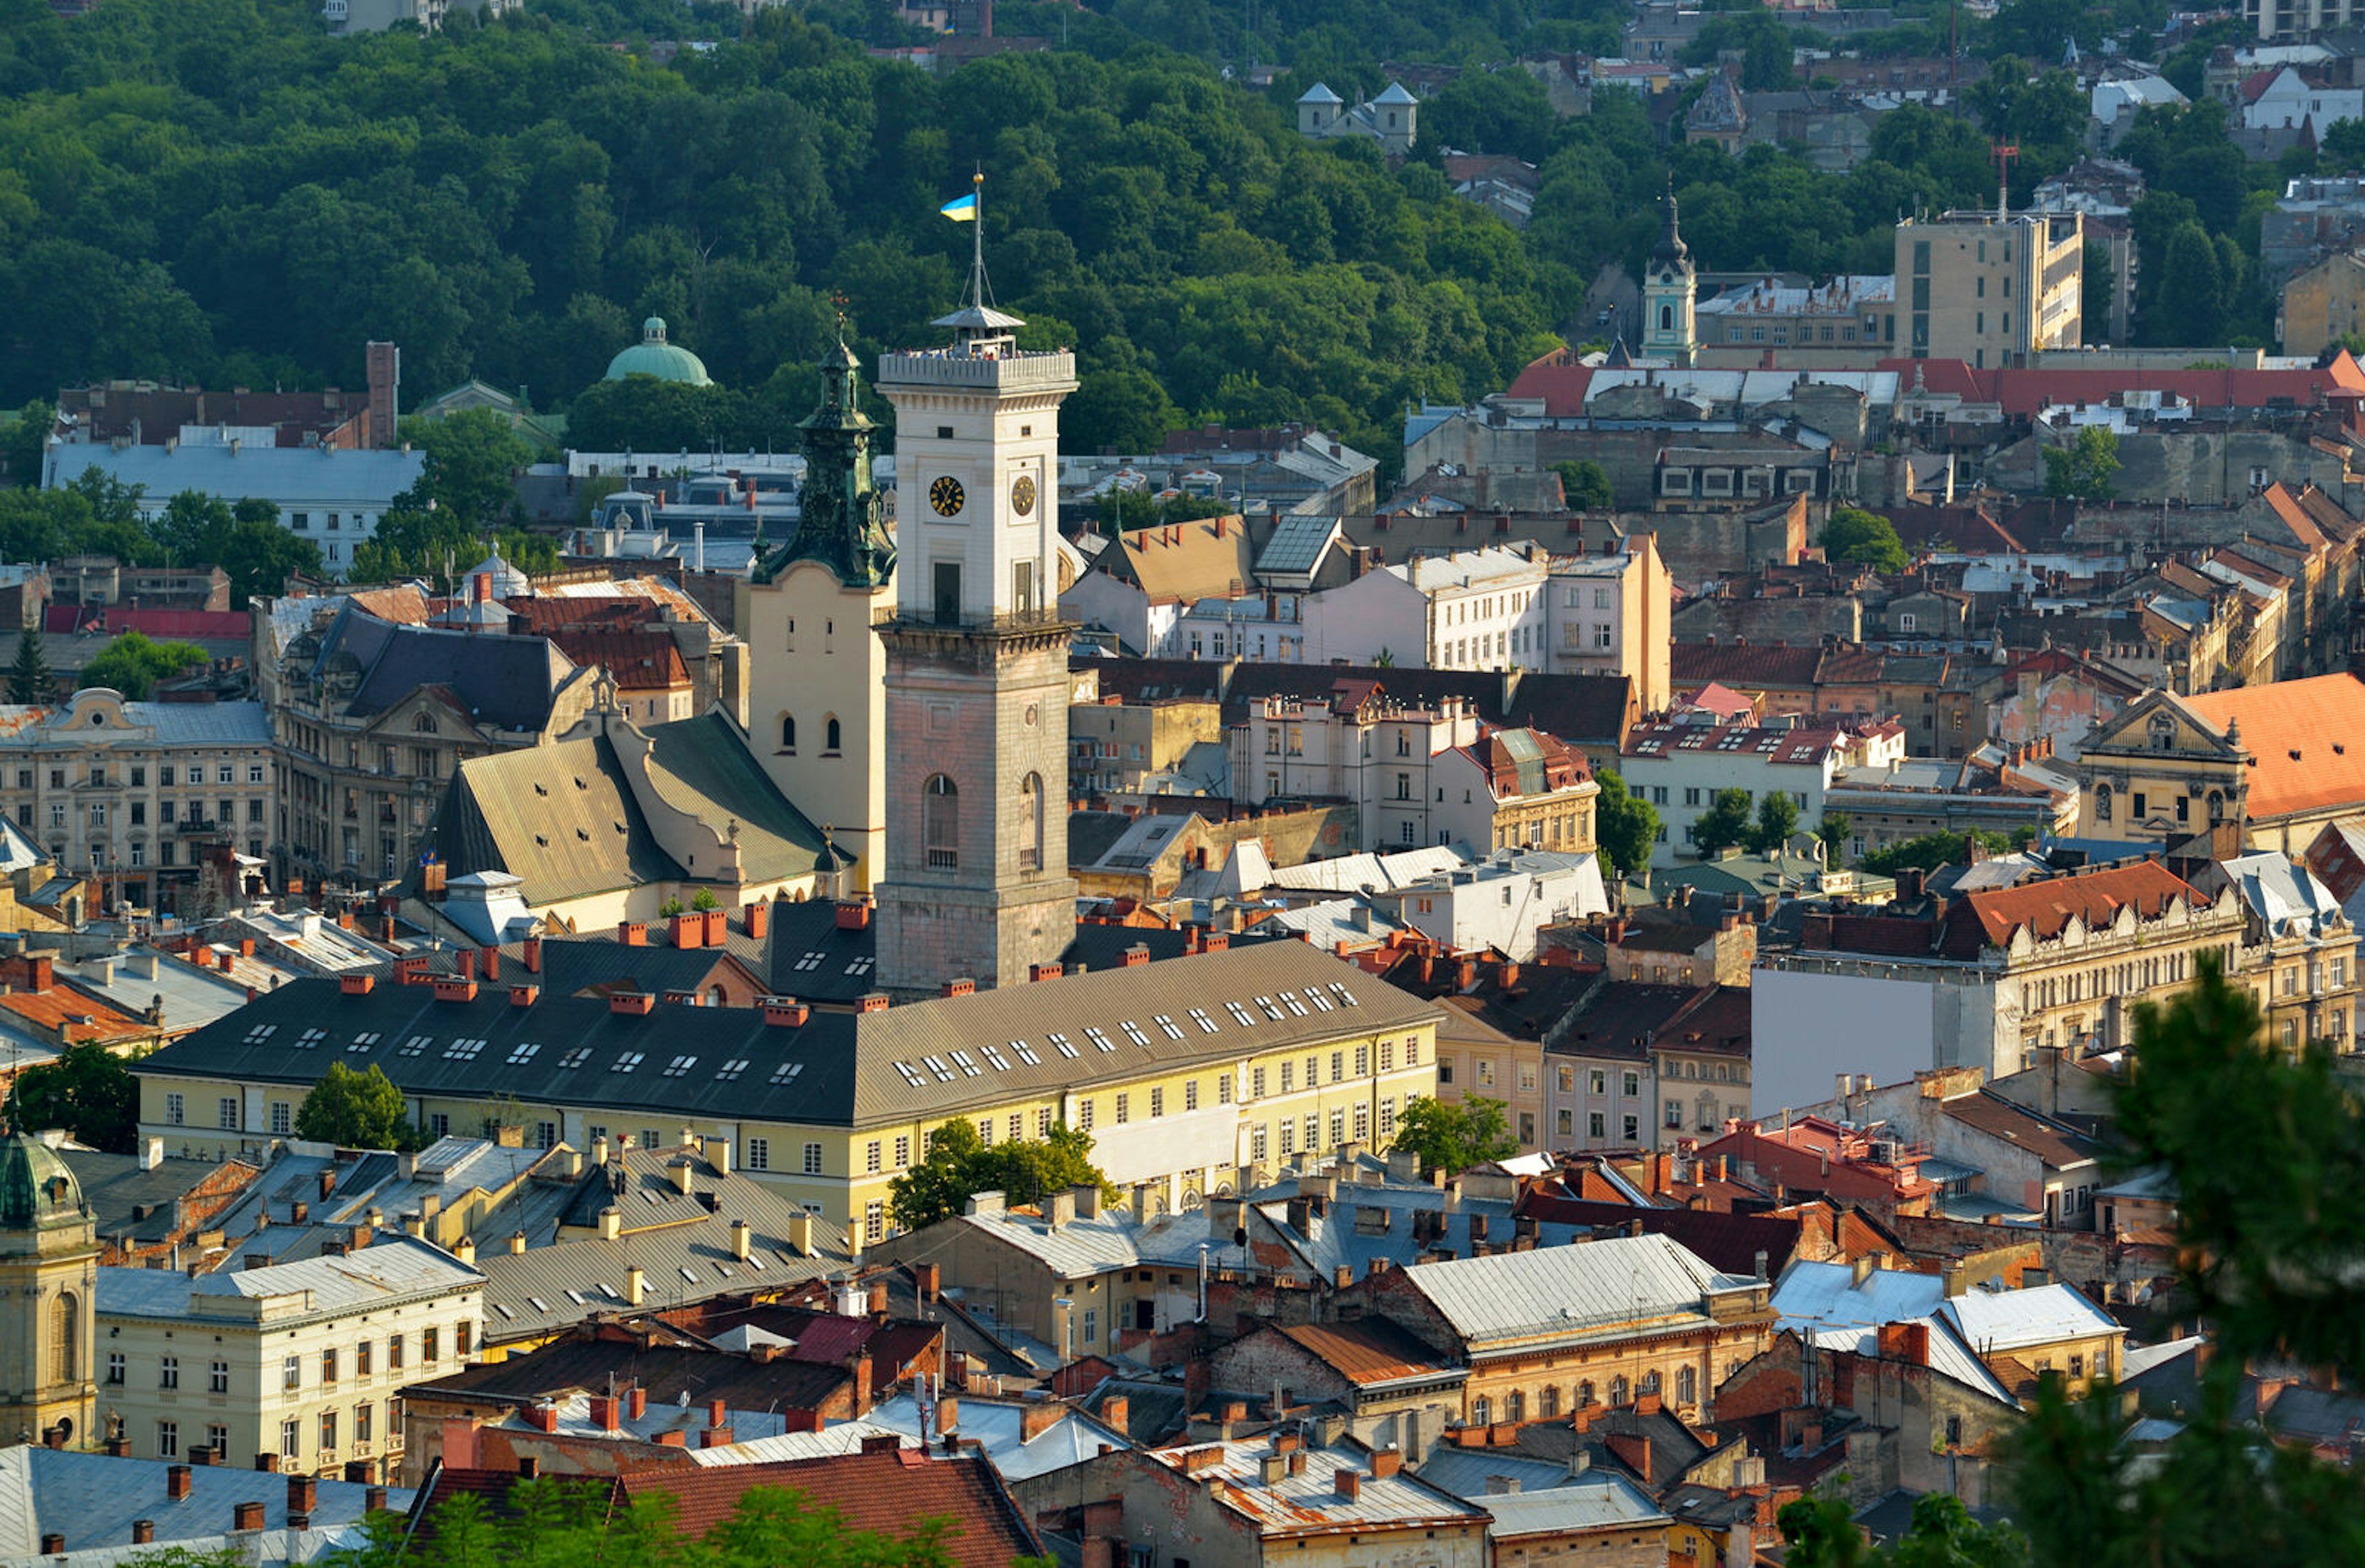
(810, 611)
(48, 1273)
(1668, 291)
(976, 878)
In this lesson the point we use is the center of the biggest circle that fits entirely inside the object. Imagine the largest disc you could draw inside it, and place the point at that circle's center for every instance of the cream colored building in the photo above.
(1193, 1075)
(817, 701)
(1990, 288)
(1608, 614)
(304, 1361)
(48, 1271)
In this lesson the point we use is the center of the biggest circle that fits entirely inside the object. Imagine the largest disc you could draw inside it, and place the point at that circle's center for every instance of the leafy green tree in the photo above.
(2265, 1255)
(1626, 825)
(245, 541)
(21, 442)
(959, 1164)
(1725, 823)
(472, 458)
(2083, 469)
(2100, 285)
(1833, 830)
(2191, 310)
(1455, 1136)
(88, 1092)
(1865, 538)
(1585, 485)
(132, 663)
(1777, 819)
(1823, 1533)
(29, 677)
(356, 1110)
(1931, 851)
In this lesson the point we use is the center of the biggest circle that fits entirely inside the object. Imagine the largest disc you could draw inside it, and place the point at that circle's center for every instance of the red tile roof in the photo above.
(1371, 1352)
(2024, 393)
(1744, 667)
(2094, 896)
(1558, 380)
(2307, 735)
(641, 661)
(202, 625)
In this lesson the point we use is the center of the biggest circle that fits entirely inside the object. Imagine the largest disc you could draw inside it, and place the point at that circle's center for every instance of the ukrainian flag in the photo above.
(962, 210)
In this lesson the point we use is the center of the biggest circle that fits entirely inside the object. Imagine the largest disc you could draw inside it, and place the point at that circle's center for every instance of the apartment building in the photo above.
(1361, 745)
(1682, 766)
(1609, 613)
(297, 1367)
(135, 792)
(1990, 288)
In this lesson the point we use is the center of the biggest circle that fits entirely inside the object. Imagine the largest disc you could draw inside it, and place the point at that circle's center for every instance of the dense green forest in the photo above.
(216, 191)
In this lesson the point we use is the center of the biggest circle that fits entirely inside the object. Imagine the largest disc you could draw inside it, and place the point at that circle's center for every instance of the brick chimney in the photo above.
(757, 917)
(176, 1482)
(303, 1494)
(246, 1516)
(1034, 1420)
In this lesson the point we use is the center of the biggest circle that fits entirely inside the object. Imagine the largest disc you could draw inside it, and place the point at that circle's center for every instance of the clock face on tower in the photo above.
(945, 496)
(1022, 495)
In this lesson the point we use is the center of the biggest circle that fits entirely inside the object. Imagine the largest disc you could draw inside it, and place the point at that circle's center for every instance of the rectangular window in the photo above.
(870, 1157)
(429, 1350)
(1124, 1108)
(175, 1110)
(328, 1431)
(874, 1221)
(329, 1366)
(291, 1439)
(364, 1422)
(291, 1374)
(394, 1352)
(227, 1108)
(812, 1159)
(361, 1359)
(168, 1373)
(168, 1439)
(282, 1118)
(218, 1381)
(758, 1155)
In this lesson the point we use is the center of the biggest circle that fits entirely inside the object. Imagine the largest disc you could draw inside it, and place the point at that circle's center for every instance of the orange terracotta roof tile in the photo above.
(2292, 727)
(71, 1014)
(2094, 896)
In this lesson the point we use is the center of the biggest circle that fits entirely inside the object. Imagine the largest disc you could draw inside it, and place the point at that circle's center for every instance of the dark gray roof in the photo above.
(937, 1056)
(129, 1202)
(560, 817)
(702, 765)
(502, 681)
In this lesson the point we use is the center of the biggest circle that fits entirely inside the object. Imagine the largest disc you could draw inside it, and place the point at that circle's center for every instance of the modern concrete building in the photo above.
(1990, 288)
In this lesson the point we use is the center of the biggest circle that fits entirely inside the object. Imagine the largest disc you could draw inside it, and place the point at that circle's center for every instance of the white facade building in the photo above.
(1386, 758)
(333, 496)
(1679, 768)
(1470, 609)
(305, 1361)
(1499, 903)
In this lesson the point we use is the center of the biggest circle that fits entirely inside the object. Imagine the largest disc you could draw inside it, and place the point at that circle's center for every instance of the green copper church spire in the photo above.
(843, 523)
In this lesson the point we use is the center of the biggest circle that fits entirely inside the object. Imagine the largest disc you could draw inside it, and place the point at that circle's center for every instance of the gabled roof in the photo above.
(2093, 897)
(1570, 1292)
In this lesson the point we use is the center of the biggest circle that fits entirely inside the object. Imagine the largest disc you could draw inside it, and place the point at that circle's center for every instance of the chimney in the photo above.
(373, 1499)
(246, 1516)
(532, 958)
(636, 1284)
(960, 985)
(492, 962)
(543, 1418)
(176, 1482)
(636, 1402)
(1035, 1419)
(740, 1233)
(465, 963)
(1115, 1412)
(1137, 954)
(606, 1413)
(53, 1544)
(785, 1013)
(1350, 1484)
(632, 933)
(143, 1532)
(758, 918)
(303, 1494)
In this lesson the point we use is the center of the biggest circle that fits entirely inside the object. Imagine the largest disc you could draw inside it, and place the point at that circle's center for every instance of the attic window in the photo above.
(1321, 1003)
(364, 1042)
(541, 789)
(680, 1067)
(1343, 994)
(575, 1057)
(812, 960)
(540, 842)
(1207, 1025)
(789, 1070)
(579, 784)
(1270, 1011)
(537, 1303)
(690, 1277)
(311, 1037)
(261, 1033)
(936, 1065)
(731, 1070)
(582, 835)
(994, 1058)
(1059, 1043)
(1100, 1041)
(503, 1309)
(576, 1297)
(1026, 1053)
(1240, 1015)
(525, 1053)
(415, 1046)
(1133, 1032)
(463, 1050)
(1174, 1030)
(962, 1060)
(628, 1061)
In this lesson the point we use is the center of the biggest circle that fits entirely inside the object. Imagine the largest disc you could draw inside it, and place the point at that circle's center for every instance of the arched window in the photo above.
(715, 997)
(1030, 823)
(832, 735)
(788, 732)
(1650, 1383)
(940, 822)
(1618, 1390)
(1667, 317)
(65, 1335)
(1482, 1410)
(1686, 1386)
(1583, 1394)
(1515, 1406)
(424, 723)
(2102, 802)
(2216, 808)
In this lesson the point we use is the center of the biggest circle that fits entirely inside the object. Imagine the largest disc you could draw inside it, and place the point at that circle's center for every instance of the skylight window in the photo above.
(1207, 1025)
(811, 961)
(994, 1058)
(936, 1065)
(731, 1070)
(1296, 1008)
(261, 1033)
(463, 1050)
(1133, 1032)
(789, 1070)
(962, 1060)
(308, 1038)
(1174, 1030)
(1100, 1041)
(680, 1067)
(1059, 1043)
(1270, 1011)
(910, 1075)
(415, 1046)
(1026, 1053)
(575, 1057)
(1322, 1003)
(1241, 1015)
(364, 1042)
(525, 1053)
(1346, 997)
(860, 966)
(628, 1061)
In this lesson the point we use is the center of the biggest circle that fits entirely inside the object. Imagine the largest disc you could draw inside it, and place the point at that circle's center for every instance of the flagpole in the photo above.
(976, 238)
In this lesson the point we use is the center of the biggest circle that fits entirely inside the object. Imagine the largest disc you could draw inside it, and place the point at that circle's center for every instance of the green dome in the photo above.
(36, 1191)
(654, 356)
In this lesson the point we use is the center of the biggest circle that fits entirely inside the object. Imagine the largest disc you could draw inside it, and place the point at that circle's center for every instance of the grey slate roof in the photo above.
(91, 1500)
(559, 816)
(393, 1268)
(1566, 1291)
(925, 1058)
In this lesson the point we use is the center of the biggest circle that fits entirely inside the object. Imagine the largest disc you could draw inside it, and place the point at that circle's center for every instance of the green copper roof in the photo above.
(36, 1191)
(842, 516)
(654, 356)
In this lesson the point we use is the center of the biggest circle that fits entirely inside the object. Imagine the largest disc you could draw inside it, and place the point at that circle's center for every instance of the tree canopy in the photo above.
(356, 1110)
(1453, 1136)
(959, 1164)
(2083, 469)
(1865, 538)
(88, 1092)
(1626, 825)
(1725, 823)
(133, 664)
